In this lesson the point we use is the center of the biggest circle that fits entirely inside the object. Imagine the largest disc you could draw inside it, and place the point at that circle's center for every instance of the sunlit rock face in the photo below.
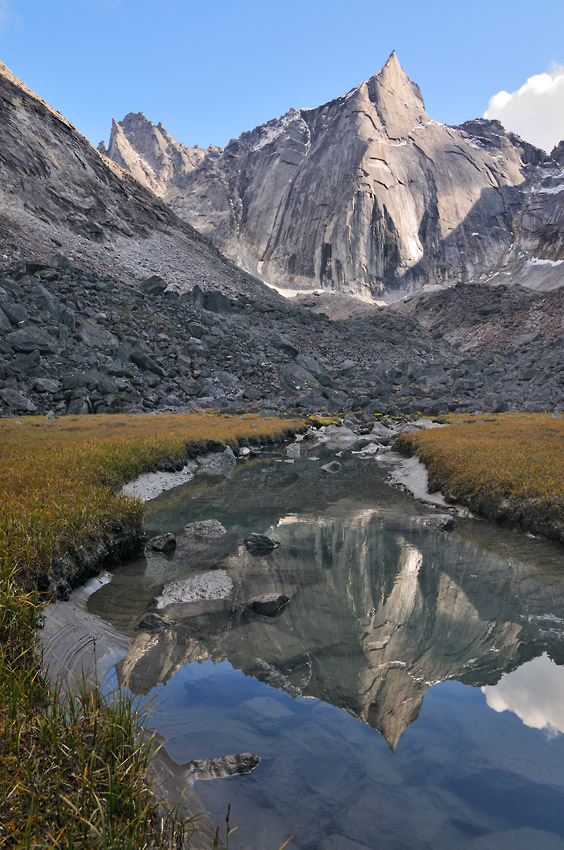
(365, 194)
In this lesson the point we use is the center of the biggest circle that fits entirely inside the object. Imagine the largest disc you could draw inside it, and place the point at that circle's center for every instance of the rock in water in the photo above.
(268, 604)
(333, 467)
(216, 768)
(155, 623)
(260, 544)
(293, 450)
(163, 543)
(214, 584)
(442, 522)
(204, 529)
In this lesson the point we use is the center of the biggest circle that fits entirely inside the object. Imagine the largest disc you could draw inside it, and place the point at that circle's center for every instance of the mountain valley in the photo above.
(110, 300)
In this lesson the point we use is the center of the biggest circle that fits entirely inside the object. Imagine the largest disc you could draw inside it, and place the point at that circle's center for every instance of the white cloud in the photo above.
(535, 111)
(534, 692)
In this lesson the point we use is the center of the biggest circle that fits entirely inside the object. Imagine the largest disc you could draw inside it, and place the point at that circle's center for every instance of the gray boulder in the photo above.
(17, 400)
(31, 339)
(203, 530)
(153, 285)
(217, 463)
(214, 584)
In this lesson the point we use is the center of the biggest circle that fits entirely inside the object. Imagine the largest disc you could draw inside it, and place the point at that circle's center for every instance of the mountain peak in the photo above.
(396, 98)
(395, 81)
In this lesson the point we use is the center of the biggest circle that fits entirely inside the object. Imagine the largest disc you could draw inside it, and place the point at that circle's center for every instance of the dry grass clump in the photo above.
(72, 769)
(507, 467)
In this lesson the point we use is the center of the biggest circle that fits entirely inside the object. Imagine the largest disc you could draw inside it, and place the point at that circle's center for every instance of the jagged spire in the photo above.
(396, 98)
(393, 78)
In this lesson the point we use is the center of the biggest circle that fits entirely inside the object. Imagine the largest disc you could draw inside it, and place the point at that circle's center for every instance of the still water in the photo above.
(410, 694)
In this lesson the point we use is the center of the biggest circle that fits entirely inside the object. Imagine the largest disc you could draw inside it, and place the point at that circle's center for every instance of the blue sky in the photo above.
(208, 71)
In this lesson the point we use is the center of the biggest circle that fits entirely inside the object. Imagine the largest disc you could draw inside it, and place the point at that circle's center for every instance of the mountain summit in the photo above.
(397, 99)
(365, 194)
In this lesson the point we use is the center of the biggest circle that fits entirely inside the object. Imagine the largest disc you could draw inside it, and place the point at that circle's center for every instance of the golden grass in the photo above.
(71, 772)
(507, 467)
(59, 480)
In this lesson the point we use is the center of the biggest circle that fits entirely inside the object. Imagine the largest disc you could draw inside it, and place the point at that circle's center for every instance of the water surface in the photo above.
(408, 696)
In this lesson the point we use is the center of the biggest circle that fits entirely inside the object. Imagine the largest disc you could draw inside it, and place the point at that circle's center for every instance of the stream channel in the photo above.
(409, 695)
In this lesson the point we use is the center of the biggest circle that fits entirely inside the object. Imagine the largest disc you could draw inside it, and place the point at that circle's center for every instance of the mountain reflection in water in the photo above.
(382, 606)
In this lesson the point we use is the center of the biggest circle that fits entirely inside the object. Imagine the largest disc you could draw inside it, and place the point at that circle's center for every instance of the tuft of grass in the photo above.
(506, 467)
(319, 421)
(73, 767)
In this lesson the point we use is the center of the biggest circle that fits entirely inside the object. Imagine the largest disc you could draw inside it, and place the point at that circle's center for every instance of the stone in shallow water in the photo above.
(205, 529)
(293, 450)
(214, 584)
(163, 543)
(217, 463)
(442, 522)
(155, 623)
(216, 768)
(260, 544)
(268, 603)
(334, 466)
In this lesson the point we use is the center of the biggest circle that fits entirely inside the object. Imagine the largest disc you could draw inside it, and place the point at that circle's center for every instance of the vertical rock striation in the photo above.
(365, 194)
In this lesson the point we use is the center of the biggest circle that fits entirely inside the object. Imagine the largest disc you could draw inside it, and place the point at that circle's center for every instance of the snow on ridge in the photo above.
(271, 133)
(539, 261)
(553, 190)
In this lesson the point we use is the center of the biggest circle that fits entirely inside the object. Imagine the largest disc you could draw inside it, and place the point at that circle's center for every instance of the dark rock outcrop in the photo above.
(258, 544)
(268, 604)
(163, 543)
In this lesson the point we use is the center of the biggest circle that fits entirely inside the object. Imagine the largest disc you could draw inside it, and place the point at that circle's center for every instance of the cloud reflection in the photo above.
(534, 692)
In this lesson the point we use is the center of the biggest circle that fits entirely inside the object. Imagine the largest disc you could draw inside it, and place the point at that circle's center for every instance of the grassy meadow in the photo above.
(72, 770)
(508, 467)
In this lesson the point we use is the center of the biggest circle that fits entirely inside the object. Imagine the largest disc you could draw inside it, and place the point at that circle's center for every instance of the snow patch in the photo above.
(274, 129)
(538, 261)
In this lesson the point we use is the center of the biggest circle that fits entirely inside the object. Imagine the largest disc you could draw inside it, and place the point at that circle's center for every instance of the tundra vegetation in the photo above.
(73, 768)
(507, 467)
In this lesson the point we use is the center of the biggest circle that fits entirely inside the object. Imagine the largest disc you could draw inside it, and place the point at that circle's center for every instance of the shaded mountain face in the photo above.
(365, 194)
(58, 195)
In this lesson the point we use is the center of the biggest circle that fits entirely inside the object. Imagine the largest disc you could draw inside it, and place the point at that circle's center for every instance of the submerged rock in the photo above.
(205, 529)
(442, 522)
(260, 544)
(163, 543)
(155, 623)
(217, 463)
(334, 466)
(216, 768)
(214, 584)
(337, 437)
(268, 604)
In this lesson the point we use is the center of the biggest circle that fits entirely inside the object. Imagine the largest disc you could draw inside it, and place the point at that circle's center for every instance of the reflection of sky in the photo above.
(534, 692)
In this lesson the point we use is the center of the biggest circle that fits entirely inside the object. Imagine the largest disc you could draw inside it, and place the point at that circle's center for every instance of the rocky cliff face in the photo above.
(58, 195)
(365, 194)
